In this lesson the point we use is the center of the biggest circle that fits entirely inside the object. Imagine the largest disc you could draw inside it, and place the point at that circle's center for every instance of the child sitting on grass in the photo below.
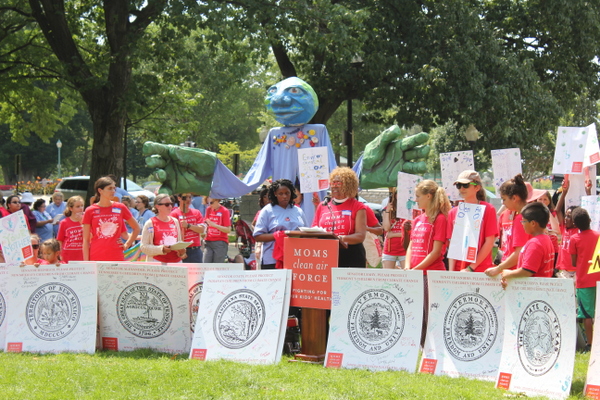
(582, 248)
(537, 256)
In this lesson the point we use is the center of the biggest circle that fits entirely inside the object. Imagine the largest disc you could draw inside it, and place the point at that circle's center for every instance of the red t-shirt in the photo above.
(165, 233)
(70, 233)
(372, 220)
(489, 227)
(106, 226)
(553, 236)
(393, 246)
(564, 257)
(423, 235)
(44, 262)
(515, 237)
(193, 217)
(537, 256)
(220, 217)
(583, 245)
(341, 219)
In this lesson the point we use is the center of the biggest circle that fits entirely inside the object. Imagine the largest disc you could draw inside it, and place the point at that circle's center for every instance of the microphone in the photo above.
(326, 200)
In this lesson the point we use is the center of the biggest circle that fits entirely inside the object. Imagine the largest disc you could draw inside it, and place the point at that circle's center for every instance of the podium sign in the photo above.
(311, 261)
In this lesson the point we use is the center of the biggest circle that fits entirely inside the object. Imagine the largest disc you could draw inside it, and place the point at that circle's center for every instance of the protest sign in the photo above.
(14, 238)
(52, 309)
(244, 316)
(376, 319)
(592, 383)
(144, 307)
(592, 205)
(506, 163)
(452, 164)
(538, 353)
(576, 148)
(3, 296)
(465, 325)
(405, 200)
(577, 187)
(465, 234)
(313, 164)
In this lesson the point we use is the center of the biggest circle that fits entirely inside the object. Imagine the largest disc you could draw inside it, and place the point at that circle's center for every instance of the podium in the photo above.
(311, 260)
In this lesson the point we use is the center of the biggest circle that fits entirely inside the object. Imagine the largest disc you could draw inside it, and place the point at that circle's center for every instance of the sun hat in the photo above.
(27, 197)
(468, 176)
(533, 194)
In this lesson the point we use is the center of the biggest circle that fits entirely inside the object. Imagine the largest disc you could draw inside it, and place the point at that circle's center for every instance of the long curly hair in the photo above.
(275, 186)
(439, 200)
(349, 181)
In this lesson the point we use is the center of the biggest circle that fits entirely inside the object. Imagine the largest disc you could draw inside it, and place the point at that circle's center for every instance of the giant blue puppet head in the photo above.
(293, 101)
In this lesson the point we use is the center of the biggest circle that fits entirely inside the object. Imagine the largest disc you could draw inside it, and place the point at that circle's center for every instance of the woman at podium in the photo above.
(345, 216)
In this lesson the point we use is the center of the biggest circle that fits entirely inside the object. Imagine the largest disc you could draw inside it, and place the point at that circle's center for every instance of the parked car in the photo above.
(376, 207)
(77, 186)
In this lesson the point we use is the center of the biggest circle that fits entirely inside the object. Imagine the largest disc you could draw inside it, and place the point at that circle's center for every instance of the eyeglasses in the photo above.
(465, 185)
(35, 246)
(165, 204)
(524, 221)
(337, 183)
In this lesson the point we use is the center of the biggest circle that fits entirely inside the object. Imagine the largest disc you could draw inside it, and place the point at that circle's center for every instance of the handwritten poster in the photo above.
(577, 187)
(452, 164)
(406, 195)
(592, 384)
(465, 234)
(538, 354)
(576, 148)
(506, 163)
(314, 169)
(465, 326)
(14, 237)
(592, 205)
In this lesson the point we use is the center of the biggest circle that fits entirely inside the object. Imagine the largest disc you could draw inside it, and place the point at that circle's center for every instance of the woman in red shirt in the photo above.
(161, 232)
(216, 242)
(70, 231)
(397, 235)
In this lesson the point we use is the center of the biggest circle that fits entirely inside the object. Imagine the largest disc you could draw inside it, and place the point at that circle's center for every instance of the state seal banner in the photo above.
(538, 353)
(376, 319)
(52, 309)
(592, 384)
(3, 297)
(144, 306)
(465, 325)
(243, 316)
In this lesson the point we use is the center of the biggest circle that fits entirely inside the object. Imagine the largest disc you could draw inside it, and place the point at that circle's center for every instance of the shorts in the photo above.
(586, 302)
(387, 257)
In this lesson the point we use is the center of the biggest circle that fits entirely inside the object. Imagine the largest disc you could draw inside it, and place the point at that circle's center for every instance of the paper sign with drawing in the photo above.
(465, 235)
(14, 237)
(506, 163)
(452, 164)
(314, 169)
(576, 148)
(405, 200)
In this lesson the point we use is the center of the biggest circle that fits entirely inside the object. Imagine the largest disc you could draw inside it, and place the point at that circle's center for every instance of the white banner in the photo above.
(576, 148)
(52, 309)
(3, 297)
(376, 319)
(144, 306)
(452, 164)
(244, 316)
(506, 163)
(465, 325)
(538, 354)
(577, 187)
(592, 205)
(405, 200)
(592, 383)
(313, 164)
(14, 238)
(465, 234)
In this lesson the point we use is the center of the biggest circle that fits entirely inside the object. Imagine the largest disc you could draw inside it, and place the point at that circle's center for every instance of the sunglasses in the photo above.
(165, 204)
(465, 185)
(35, 246)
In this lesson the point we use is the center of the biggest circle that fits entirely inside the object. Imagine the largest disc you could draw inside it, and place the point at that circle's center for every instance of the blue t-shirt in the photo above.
(55, 210)
(274, 218)
(44, 231)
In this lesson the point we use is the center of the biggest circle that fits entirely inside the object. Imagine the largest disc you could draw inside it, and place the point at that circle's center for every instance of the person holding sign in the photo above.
(514, 197)
(472, 191)
(397, 235)
(584, 255)
(345, 216)
(537, 257)
(161, 232)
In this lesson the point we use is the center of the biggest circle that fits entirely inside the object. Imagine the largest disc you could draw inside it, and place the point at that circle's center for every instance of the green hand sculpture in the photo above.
(390, 153)
(181, 169)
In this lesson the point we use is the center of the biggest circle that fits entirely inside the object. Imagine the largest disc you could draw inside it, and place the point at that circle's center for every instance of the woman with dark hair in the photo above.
(277, 216)
(471, 189)
(103, 223)
(514, 195)
(345, 216)
(142, 204)
(397, 235)
(44, 220)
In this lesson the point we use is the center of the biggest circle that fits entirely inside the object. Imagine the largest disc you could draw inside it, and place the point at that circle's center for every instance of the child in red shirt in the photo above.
(50, 253)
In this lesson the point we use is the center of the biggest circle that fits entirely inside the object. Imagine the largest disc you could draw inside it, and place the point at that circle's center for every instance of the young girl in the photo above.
(553, 228)
(472, 191)
(514, 197)
(50, 253)
(397, 235)
(70, 231)
(103, 223)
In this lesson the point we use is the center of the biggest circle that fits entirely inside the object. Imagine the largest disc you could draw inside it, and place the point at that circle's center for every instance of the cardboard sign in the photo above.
(376, 319)
(53, 309)
(465, 234)
(592, 205)
(311, 261)
(196, 282)
(406, 201)
(465, 326)
(3, 296)
(452, 164)
(244, 316)
(14, 238)
(144, 306)
(538, 353)
(313, 164)
(506, 163)
(576, 148)
(592, 383)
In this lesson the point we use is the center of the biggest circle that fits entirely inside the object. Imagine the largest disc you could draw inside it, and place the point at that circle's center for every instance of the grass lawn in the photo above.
(144, 374)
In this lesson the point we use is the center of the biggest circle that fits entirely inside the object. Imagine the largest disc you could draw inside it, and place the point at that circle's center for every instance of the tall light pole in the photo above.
(58, 146)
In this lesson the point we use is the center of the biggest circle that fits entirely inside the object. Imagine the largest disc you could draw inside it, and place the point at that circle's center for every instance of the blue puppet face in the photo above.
(293, 101)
